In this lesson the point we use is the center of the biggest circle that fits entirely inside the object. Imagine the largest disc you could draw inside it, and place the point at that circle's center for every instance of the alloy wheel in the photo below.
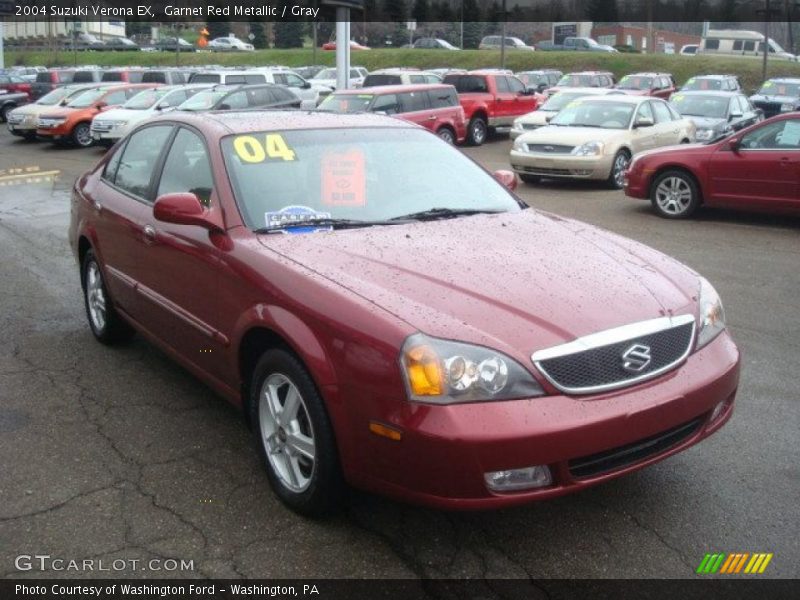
(673, 195)
(95, 297)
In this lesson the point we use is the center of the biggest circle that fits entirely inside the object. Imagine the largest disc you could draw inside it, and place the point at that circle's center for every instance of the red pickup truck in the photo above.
(491, 99)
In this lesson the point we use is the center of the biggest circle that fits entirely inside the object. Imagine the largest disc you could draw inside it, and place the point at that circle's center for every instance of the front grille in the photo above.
(550, 148)
(623, 456)
(545, 171)
(598, 362)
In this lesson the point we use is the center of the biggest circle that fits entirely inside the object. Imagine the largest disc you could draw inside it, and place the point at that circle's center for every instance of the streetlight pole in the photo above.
(462, 25)
(767, 11)
(503, 37)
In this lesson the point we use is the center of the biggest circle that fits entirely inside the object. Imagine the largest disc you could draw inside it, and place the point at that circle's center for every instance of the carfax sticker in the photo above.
(291, 215)
(344, 179)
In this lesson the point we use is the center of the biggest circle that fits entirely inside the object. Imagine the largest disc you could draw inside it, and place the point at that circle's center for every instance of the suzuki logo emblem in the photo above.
(636, 358)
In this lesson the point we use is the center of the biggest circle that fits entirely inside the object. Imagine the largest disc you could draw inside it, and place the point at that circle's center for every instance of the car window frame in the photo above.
(765, 124)
(163, 161)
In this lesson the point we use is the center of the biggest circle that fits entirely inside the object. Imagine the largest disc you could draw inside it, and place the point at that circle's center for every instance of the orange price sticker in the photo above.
(344, 180)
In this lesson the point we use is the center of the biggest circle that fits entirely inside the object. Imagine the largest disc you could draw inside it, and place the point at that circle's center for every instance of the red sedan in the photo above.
(329, 274)
(756, 168)
(353, 46)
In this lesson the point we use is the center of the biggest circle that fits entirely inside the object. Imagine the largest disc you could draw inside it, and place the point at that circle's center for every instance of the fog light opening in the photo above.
(514, 480)
(719, 410)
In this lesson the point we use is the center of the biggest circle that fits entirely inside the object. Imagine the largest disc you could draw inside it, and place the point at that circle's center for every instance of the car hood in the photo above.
(537, 117)
(634, 92)
(781, 99)
(58, 113)
(123, 114)
(516, 282)
(35, 110)
(707, 122)
(572, 136)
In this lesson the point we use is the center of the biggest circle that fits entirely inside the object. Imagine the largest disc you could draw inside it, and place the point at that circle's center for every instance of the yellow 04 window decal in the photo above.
(251, 150)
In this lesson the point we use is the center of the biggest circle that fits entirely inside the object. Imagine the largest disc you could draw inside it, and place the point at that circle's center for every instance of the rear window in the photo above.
(112, 76)
(154, 77)
(84, 77)
(443, 98)
(414, 101)
(375, 80)
(205, 78)
(466, 84)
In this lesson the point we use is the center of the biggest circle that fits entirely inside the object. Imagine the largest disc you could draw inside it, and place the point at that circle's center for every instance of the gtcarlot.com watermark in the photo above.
(45, 562)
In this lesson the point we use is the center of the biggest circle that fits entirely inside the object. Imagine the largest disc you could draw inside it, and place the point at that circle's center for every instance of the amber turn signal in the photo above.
(385, 431)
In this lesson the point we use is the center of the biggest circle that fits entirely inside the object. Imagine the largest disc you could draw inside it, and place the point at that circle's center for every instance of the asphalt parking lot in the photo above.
(120, 454)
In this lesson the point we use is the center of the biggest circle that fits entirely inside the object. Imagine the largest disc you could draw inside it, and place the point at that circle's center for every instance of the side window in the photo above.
(443, 98)
(280, 78)
(110, 171)
(416, 79)
(711, 44)
(235, 79)
(234, 101)
(414, 101)
(502, 85)
(645, 112)
(283, 95)
(139, 159)
(260, 97)
(749, 46)
(515, 85)
(387, 104)
(783, 135)
(254, 79)
(293, 80)
(432, 79)
(662, 112)
(737, 45)
(187, 168)
(135, 76)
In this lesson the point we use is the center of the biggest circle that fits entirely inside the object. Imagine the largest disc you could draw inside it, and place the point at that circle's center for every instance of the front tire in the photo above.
(446, 134)
(82, 135)
(616, 179)
(294, 435)
(675, 195)
(478, 131)
(104, 321)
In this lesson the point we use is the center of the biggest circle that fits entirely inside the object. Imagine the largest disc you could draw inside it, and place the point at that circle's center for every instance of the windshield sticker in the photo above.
(768, 84)
(691, 81)
(344, 179)
(790, 136)
(677, 98)
(290, 215)
(250, 150)
(574, 103)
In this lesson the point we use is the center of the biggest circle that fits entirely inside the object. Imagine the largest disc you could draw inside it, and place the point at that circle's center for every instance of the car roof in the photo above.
(252, 121)
(588, 73)
(623, 98)
(785, 79)
(593, 91)
(721, 93)
(393, 89)
(648, 74)
(715, 76)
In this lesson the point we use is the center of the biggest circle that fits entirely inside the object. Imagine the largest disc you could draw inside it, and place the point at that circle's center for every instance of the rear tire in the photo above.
(446, 134)
(478, 131)
(675, 195)
(294, 435)
(104, 321)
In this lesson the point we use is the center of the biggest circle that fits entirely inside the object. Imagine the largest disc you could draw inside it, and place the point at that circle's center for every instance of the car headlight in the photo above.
(445, 372)
(712, 315)
(520, 145)
(788, 107)
(517, 124)
(589, 149)
(119, 124)
(704, 134)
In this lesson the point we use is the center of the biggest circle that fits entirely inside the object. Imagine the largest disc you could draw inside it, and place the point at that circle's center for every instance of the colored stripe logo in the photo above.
(734, 563)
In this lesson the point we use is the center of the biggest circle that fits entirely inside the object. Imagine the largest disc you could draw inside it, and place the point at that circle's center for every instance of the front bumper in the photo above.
(561, 165)
(55, 133)
(446, 450)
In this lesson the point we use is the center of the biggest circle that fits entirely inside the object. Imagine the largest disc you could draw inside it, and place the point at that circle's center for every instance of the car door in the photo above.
(643, 137)
(668, 132)
(179, 278)
(504, 101)
(121, 201)
(524, 102)
(764, 172)
(415, 107)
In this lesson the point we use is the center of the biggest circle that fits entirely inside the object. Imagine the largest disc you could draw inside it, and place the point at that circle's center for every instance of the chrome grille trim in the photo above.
(625, 333)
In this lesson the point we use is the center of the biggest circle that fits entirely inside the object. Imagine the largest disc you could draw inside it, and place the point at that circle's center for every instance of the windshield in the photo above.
(145, 99)
(205, 100)
(87, 98)
(326, 74)
(362, 174)
(588, 113)
(778, 88)
(575, 81)
(715, 107)
(634, 82)
(696, 83)
(347, 103)
(56, 96)
(560, 100)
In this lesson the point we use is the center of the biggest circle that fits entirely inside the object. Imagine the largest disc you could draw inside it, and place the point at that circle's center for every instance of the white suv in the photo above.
(310, 93)
(229, 44)
(400, 77)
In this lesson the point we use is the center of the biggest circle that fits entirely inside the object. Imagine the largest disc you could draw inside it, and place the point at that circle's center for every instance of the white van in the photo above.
(733, 42)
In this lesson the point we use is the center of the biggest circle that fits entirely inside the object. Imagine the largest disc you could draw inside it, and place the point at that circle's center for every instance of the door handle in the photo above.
(149, 234)
(97, 205)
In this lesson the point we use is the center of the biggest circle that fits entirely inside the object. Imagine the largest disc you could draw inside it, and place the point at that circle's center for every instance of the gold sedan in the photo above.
(595, 138)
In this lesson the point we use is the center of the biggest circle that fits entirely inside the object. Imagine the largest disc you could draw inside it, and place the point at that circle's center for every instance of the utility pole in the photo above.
(767, 11)
(503, 37)
(462, 25)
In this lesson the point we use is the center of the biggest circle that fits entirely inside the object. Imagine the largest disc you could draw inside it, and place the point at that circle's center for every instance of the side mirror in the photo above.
(306, 85)
(549, 118)
(224, 107)
(507, 178)
(182, 208)
(734, 144)
(541, 87)
(643, 122)
(734, 115)
(101, 105)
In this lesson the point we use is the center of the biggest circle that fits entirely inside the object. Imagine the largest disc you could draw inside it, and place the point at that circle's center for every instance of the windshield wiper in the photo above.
(586, 125)
(325, 222)
(442, 213)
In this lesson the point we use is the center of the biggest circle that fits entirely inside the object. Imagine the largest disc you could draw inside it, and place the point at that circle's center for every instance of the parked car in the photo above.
(433, 106)
(22, 121)
(168, 44)
(167, 76)
(434, 44)
(756, 168)
(374, 347)
(26, 73)
(722, 83)
(229, 44)
(583, 79)
(581, 44)
(311, 94)
(71, 124)
(327, 77)
(545, 112)
(595, 138)
(494, 42)
(490, 100)
(658, 85)
(689, 50)
(86, 41)
(14, 84)
(122, 44)
(310, 71)
(716, 114)
(737, 42)
(124, 75)
(241, 97)
(384, 77)
(228, 76)
(778, 95)
(111, 125)
(47, 81)
(540, 80)
(353, 46)
(10, 102)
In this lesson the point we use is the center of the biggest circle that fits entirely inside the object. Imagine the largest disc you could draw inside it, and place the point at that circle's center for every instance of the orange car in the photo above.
(71, 124)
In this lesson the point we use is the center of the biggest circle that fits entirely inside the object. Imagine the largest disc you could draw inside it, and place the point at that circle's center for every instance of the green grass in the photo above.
(682, 67)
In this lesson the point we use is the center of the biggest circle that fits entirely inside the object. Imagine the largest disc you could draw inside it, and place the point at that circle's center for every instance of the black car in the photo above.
(778, 96)
(121, 43)
(241, 97)
(9, 102)
(540, 80)
(168, 45)
(712, 83)
(716, 114)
